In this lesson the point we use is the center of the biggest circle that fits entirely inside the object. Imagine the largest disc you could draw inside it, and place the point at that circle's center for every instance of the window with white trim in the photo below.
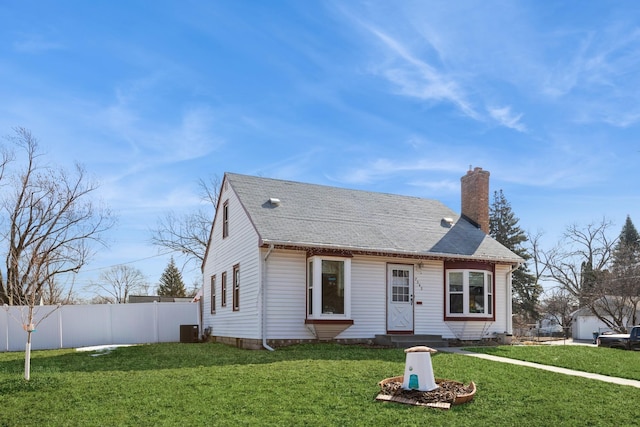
(328, 287)
(236, 287)
(469, 293)
(223, 290)
(213, 294)
(225, 219)
(310, 288)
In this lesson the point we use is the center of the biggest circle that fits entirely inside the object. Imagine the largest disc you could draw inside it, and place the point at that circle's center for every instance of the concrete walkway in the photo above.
(605, 378)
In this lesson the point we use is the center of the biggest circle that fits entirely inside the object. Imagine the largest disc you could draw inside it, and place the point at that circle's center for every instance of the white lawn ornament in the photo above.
(418, 372)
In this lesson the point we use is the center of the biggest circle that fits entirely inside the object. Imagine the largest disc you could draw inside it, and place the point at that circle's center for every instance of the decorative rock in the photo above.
(448, 392)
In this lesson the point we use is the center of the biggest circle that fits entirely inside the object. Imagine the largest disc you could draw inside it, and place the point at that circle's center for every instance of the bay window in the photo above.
(328, 287)
(469, 293)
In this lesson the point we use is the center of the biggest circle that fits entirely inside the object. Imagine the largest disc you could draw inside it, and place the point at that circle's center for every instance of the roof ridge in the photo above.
(327, 186)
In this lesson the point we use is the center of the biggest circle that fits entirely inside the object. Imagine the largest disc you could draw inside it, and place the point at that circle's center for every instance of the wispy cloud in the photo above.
(36, 43)
(382, 168)
(156, 137)
(570, 69)
(505, 117)
(196, 136)
(155, 145)
(422, 61)
(295, 167)
(567, 160)
(438, 186)
(600, 76)
(417, 78)
(623, 119)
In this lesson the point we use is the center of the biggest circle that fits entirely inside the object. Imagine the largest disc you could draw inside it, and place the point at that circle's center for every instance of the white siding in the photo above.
(285, 281)
(368, 298)
(286, 295)
(240, 247)
(585, 326)
(286, 290)
(503, 304)
(429, 289)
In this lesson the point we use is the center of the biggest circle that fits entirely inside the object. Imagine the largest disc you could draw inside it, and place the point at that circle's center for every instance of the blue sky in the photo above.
(398, 97)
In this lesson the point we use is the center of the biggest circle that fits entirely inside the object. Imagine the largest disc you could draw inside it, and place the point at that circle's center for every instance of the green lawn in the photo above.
(316, 385)
(605, 361)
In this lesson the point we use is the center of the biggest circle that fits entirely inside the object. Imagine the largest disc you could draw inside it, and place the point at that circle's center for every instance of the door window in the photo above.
(400, 285)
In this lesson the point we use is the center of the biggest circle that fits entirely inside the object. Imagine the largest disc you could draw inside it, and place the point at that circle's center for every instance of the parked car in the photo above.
(630, 341)
(550, 329)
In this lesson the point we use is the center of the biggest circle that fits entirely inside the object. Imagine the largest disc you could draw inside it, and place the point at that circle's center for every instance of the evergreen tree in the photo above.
(625, 263)
(171, 283)
(503, 225)
(627, 250)
(590, 280)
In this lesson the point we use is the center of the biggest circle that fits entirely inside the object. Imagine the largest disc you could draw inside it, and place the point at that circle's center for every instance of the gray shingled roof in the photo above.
(312, 215)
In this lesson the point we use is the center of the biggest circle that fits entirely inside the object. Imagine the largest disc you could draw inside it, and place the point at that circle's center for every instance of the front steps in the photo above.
(406, 341)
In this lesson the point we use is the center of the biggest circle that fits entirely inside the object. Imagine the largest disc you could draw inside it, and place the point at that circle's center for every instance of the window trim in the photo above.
(489, 292)
(235, 293)
(315, 278)
(223, 290)
(213, 294)
(310, 294)
(225, 219)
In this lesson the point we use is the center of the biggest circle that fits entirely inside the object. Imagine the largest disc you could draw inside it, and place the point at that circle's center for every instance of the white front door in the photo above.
(399, 298)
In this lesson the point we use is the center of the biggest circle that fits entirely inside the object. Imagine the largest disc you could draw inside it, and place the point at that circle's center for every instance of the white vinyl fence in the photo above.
(70, 326)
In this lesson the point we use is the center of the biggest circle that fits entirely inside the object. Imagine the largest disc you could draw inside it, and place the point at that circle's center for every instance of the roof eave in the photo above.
(388, 251)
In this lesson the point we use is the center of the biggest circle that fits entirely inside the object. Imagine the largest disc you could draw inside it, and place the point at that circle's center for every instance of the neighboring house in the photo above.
(291, 262)
(585, 323)
(548, 325)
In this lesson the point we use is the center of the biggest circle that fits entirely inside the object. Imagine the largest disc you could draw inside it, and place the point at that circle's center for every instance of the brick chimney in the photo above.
(475, 198)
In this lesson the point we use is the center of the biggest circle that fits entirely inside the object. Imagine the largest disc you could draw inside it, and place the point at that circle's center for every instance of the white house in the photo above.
(293, 262)
(585, 323)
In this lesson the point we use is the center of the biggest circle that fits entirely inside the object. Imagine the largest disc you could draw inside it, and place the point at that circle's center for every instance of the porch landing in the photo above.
(406, 341)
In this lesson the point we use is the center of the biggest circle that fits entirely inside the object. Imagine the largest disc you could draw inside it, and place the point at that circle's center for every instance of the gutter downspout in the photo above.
(509, 280)
(263, 289)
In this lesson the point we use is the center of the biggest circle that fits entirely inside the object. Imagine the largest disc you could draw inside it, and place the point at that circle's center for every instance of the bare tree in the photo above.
(54, 293)
(615, 311)
(50, 224)
(118, 283)
(100, 299)
(192, 292)
(577, 263)
(538, 261)
(593, 269)
(189, 233)
(560, 305)
(617, 297)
